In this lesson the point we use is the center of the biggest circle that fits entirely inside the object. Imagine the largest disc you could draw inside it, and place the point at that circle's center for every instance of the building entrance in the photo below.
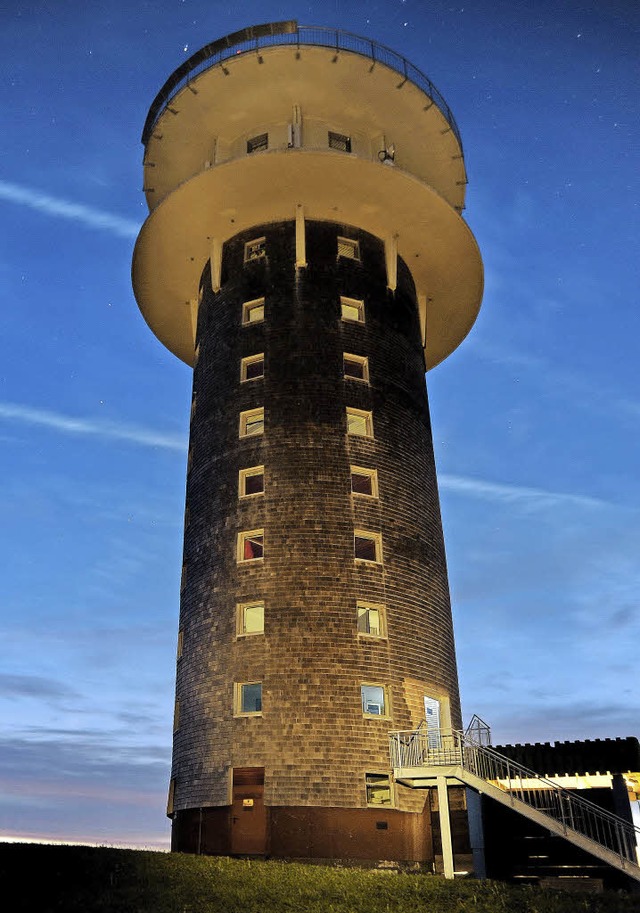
(248, 814)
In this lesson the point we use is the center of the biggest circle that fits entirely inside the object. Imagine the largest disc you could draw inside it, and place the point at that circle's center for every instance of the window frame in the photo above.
(348, 244)
(246, 362)
(362, 361)
(241, 609)
(257, 143)
(357, 304)
(243, 537)
(369, 536)
(385, 699)
(256, 249)
(371, 474)
(248, 473)
(365, 414)
(247, 307)
(245, 419)
(367, 785)
(237, 699)
(382, 616)
(341, 142)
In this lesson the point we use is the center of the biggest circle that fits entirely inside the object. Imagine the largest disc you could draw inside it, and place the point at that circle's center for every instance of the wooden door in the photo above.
(248, 814)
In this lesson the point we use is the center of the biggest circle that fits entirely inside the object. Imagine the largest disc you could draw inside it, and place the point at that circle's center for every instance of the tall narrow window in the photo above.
(339, 141)
(348, 248)
(251, 545)
(248, 698)
(258, 143)
(252, 422)
(180, 645)
(176, 716)
(356, 367)
(250, 619)
(367, 546)
(364, 481)
(253, 311)
(251, 481)
(371, 620)
(352, 309)
(252, 367)
(378, 789)
(359, 422)
(255, 250)
(374, 700)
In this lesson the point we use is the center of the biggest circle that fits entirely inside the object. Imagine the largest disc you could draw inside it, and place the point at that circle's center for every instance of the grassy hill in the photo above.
(70, 879)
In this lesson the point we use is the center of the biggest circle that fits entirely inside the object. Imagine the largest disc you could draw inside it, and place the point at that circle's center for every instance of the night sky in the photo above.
(536, 416)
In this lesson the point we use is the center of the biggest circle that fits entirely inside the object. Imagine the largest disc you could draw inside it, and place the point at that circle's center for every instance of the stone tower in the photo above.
(305, 253)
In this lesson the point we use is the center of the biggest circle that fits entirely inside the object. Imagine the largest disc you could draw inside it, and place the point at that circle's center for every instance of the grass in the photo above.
(68, 879)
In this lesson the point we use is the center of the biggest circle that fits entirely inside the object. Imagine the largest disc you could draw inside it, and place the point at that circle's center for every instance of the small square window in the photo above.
(252, 422)
(339, 141)
(251, 545)
(359, 422)
(364, 481)
(252, 367)
(367, 546)
(255, 250)
(251, 482)
(352, 309)
(248, 698)
(258, 143)
(250, 619)
(356, 367)
(253, 311)
(374, 700)
(371, 620)
(348, 248)
(378, 789)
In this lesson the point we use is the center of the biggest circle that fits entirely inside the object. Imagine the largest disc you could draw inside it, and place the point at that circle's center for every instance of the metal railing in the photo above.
(253, 40)
(412, 749)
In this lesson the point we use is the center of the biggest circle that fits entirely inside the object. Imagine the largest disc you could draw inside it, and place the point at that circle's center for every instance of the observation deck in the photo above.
(282, 119)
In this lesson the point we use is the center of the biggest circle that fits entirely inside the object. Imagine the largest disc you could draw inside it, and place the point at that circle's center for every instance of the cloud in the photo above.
(508, 494)
(133, 434)
(67, 209)
(32, 686)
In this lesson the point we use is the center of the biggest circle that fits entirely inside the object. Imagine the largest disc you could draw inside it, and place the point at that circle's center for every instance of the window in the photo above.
(176, 716)
(252, 422)
(371, 620)
(183, 577)
(250, 619)
(339, 141)
(180, 644)
(374, 700)
(364, 481)
(367, 546)
(251, 482)
(253, 311)
(257, 143)
(352, 309)
(348, 248)
(359, 422)
(255, 250)
(171, 796)
(248, 698)
(378, 789)
(193, 406)
(252, 367)
(251, 545)
(356, 367)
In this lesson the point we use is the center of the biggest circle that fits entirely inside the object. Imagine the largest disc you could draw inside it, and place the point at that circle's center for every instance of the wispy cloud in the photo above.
(66, 424)
(509, 494)
(68, 209)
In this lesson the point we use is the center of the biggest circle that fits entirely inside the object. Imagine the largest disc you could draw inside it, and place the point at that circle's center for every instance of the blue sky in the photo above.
(536, 416)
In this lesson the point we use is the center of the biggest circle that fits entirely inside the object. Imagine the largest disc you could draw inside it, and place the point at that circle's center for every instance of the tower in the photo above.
(305, 253)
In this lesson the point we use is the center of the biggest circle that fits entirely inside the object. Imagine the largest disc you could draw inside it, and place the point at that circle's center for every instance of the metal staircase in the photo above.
(423, 757)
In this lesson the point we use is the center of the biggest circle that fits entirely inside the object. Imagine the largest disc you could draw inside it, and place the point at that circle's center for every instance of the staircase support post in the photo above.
(445, 827)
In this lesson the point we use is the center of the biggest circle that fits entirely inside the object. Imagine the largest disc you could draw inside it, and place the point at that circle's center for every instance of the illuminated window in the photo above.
(367, 546)
(251, 481)
(248, 698)
(359, 422)
(370, 620)
(176, 716)
(339, 141)
(171, 796)
(253, 311)
(374, 700)
(352, 309)
(255, 250)
(348, 248)
(356, 367)
(378, 789)
(180, 644)
(364, 481)
(257, 143)
(251, 545)
(250, 619)
(252, 367)
(252, 422)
